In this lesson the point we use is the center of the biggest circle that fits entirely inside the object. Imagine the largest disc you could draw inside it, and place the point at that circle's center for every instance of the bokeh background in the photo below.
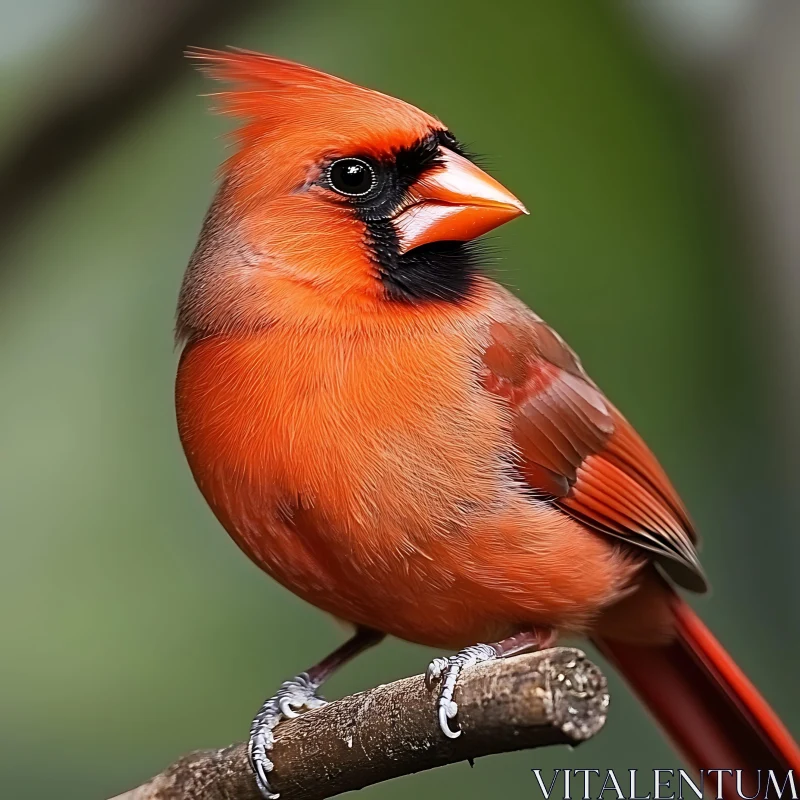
(655, 143)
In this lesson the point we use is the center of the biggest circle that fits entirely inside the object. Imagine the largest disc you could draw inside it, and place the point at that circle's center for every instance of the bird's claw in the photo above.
(434, 672)
(293, 697)
(446, 671)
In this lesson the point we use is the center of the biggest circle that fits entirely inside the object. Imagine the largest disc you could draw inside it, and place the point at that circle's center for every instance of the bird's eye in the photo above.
(352, 177)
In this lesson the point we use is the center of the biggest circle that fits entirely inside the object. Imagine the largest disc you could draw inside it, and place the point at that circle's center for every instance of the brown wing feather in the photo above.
(578, 450)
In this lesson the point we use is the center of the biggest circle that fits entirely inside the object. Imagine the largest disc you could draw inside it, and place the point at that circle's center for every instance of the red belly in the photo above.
(383, 503)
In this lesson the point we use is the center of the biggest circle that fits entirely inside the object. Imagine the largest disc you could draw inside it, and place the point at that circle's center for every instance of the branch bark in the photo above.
(551, 697)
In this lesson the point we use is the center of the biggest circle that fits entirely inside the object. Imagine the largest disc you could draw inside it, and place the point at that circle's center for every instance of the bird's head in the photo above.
(335, 196)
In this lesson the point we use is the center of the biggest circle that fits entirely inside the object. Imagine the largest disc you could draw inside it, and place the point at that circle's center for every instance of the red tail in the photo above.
(705, 703)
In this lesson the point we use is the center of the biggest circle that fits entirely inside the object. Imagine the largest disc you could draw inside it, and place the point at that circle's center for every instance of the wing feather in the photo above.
(576, 449)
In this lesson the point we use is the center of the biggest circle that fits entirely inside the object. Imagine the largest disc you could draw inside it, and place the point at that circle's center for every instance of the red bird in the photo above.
(398, 440)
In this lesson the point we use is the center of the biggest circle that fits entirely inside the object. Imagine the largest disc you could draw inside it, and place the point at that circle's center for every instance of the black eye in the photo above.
(352, 177)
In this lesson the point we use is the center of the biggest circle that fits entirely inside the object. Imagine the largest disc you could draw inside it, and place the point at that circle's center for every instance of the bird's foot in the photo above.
(293, 697)
(446, 671)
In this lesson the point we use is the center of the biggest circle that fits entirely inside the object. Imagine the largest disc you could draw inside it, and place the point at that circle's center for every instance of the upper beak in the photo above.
(456, 201)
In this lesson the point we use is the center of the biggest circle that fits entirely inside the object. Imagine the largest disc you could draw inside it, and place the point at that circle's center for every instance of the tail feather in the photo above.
(706, 705)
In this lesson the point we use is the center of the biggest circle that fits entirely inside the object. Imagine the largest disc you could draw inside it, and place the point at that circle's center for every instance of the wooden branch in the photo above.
(552, 697)
(136, 52)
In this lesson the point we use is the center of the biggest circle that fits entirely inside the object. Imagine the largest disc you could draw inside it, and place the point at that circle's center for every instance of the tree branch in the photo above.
(135, 55)
(552, 697)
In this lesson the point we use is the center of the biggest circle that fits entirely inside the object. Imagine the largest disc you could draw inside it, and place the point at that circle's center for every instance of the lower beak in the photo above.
(456, 201)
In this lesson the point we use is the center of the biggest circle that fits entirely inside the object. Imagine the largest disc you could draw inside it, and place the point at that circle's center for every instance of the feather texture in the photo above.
(577, 449)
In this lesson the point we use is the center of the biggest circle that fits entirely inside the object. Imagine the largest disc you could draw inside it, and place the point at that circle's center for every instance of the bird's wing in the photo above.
(577, 450)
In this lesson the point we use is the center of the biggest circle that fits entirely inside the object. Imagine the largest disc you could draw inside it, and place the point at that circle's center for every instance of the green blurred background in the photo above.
(132, 630)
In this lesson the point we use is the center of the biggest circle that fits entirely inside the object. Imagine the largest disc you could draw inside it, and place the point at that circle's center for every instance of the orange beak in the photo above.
(457, 201)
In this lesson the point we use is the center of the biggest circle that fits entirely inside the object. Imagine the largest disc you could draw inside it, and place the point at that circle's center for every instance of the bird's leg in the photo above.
(295, 696)
(447, 670)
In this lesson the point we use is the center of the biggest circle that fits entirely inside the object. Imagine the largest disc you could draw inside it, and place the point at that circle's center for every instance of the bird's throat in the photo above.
(439, 272)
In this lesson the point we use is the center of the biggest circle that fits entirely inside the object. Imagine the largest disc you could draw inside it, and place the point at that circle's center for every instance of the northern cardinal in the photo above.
(398, 440)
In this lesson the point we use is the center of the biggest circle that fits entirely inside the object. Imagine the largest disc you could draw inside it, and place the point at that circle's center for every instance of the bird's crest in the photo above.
(276, 98)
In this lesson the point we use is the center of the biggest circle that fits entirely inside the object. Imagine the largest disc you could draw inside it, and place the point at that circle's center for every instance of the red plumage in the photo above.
(401, 442)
